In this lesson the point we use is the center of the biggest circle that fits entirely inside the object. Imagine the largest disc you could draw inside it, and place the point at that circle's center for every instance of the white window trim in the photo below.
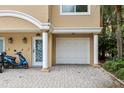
(80, 13)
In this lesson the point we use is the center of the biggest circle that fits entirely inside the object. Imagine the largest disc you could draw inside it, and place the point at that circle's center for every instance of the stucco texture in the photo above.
(92, 20)
(18, 44)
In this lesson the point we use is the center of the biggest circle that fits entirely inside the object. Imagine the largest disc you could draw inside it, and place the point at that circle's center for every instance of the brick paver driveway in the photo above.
(60, 76)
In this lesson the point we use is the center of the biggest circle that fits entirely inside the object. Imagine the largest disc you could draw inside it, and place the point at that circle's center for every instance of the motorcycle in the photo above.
(1, 63)
(9, 61)
(23, 62)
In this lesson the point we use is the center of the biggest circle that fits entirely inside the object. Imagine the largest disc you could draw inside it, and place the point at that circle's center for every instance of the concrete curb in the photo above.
(120, 81)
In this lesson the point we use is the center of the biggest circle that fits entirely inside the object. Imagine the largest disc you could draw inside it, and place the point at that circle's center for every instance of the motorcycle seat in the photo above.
(10, 57)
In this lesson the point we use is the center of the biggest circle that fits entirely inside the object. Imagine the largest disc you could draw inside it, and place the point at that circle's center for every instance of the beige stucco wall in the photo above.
(46, 13)
(39, 12)
(27, 48)
(18, 44)
(92, 20)
(12, 23)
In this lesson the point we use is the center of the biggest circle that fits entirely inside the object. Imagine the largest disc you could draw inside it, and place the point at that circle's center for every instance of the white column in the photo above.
(45, 50)
(95, 49)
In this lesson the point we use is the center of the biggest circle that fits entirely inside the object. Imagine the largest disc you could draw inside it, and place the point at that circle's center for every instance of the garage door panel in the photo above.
(73, 61)
(72, 51)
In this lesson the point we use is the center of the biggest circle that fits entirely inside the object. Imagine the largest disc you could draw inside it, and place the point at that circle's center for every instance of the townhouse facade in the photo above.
(51, 34)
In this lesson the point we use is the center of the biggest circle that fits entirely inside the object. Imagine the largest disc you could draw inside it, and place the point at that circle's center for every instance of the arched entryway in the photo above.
(43, 27)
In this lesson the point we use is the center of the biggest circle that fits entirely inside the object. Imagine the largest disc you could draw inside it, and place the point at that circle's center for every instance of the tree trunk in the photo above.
(118, 31)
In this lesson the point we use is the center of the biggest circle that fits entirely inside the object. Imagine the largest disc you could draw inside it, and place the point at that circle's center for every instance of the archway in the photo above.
(36, 22)
(24, 16)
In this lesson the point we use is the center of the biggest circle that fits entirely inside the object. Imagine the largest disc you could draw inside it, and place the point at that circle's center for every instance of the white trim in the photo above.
(8, 30)
(33, 51)
(45, 50)
(2, 38)
(75, 13)
(58, 30)
(95, 49)
(12, 13)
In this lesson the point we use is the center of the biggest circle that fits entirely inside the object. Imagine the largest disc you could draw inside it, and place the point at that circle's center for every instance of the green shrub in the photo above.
(113, 66)
(108, 65)
(120, 73)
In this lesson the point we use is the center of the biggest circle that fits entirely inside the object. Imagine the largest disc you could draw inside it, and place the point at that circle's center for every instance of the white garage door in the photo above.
(72, 51)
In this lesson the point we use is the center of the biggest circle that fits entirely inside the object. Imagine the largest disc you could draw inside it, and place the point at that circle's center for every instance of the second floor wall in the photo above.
(39, 12)
(49, 13)
(90, 20)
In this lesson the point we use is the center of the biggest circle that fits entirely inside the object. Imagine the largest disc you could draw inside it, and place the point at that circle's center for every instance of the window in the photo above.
(75, 10)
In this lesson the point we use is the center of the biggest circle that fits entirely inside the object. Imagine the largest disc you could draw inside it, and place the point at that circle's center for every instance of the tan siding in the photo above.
(92, 20)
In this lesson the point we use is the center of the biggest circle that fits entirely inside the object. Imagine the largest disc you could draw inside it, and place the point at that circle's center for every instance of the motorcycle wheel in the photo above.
(6, 65)
(26, 66)
(13, 66)
(1, 69)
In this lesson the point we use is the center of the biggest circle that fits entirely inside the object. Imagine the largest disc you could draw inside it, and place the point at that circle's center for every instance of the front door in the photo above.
(37, 51)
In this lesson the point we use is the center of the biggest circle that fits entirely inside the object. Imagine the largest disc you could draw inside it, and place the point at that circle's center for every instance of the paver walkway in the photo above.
(67, 76)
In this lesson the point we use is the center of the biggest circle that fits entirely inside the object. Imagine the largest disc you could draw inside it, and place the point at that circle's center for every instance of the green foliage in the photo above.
(113, 66)
(107, 39)
(108, 65)
(107, 43)
(120, 73)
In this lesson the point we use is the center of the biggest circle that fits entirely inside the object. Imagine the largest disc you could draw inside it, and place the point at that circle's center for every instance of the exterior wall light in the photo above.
(38, 34)
(10, 40)
(24, 40)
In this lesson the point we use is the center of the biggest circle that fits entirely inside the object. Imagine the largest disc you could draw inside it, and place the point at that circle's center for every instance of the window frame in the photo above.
(76, 13)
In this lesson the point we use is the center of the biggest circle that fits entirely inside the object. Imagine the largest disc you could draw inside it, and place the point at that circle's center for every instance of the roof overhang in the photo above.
(62, 30)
